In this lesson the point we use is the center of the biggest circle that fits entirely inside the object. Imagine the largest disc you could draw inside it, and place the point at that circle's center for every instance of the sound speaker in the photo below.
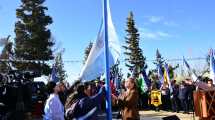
(172, 117)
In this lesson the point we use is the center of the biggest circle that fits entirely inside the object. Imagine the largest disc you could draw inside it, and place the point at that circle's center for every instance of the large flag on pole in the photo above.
(212, 66)
(166, 77)
(194, 76)
(103, 55)
(95, 65)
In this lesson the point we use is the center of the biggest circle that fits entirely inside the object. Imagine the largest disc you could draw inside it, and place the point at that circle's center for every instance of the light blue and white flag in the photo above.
(54, 76)
(212, 66)
(194, 76)
(95, 64)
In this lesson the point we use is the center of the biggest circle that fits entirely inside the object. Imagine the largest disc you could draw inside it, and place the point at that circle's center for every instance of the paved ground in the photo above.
(152, 115)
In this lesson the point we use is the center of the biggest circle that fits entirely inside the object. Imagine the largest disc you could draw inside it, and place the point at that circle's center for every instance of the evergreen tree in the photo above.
(135, 60)
(159, 59)
(87, 51)
(32, 41)
(61, 73)
(7, 52)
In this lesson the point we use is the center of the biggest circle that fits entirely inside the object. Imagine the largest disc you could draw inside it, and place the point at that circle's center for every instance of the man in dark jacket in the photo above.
(190, 89)
(183, 96)
(174, 97)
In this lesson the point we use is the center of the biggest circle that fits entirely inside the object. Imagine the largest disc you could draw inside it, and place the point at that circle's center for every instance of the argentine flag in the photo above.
(95, 64)
(194, 76)
(212, 66)
(54, 76)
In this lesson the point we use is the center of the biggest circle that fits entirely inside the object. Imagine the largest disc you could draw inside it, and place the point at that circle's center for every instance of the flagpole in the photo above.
(107, 67)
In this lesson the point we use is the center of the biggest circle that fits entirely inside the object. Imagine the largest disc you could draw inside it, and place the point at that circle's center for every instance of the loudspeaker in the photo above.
(172, 117)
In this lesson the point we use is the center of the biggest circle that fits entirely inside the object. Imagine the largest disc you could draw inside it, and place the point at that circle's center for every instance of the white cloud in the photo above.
(150, 35)
(163, 34)
(161, 20)
(155, 19)
(154, 35)
(170, 24)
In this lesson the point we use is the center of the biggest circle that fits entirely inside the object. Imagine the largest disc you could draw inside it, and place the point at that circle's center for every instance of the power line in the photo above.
(80, 61)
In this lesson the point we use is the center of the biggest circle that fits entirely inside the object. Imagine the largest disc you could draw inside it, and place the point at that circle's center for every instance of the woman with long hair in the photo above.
(128, 101)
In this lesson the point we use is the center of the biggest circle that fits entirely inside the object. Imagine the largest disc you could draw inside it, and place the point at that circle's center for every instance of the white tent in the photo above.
(43, 78)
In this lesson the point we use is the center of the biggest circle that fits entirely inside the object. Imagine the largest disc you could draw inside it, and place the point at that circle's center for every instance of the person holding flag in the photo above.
(166, 89)
(143, 89)
(128, 100)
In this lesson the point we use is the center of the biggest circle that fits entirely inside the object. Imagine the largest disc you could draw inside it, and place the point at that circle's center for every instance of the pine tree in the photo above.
(135, 60)
(61, 73)
(32, 41)
(159, 59)
(87, 51)
(7, 52)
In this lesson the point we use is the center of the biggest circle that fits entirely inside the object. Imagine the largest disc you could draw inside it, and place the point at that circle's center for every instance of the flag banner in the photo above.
(212, 66)
(142, 84)
(160, 74)
(147, 80)
(95, 64)
(166, 77)
(156, 98)
(54, 76)
(194, 76)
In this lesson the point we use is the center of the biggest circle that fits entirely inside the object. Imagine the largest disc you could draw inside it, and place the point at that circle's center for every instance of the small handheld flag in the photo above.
(142, 84)
(160, 74)
(54, 76)
(194, 76)
(166, 77)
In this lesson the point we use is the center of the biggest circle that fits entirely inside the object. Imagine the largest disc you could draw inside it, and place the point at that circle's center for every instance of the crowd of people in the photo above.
(86, 100)
(178, 98)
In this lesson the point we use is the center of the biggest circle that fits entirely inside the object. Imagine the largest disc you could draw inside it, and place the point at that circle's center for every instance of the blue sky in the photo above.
(176, 27)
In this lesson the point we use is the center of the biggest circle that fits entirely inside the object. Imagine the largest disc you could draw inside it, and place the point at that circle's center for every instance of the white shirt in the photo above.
(54, 109)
